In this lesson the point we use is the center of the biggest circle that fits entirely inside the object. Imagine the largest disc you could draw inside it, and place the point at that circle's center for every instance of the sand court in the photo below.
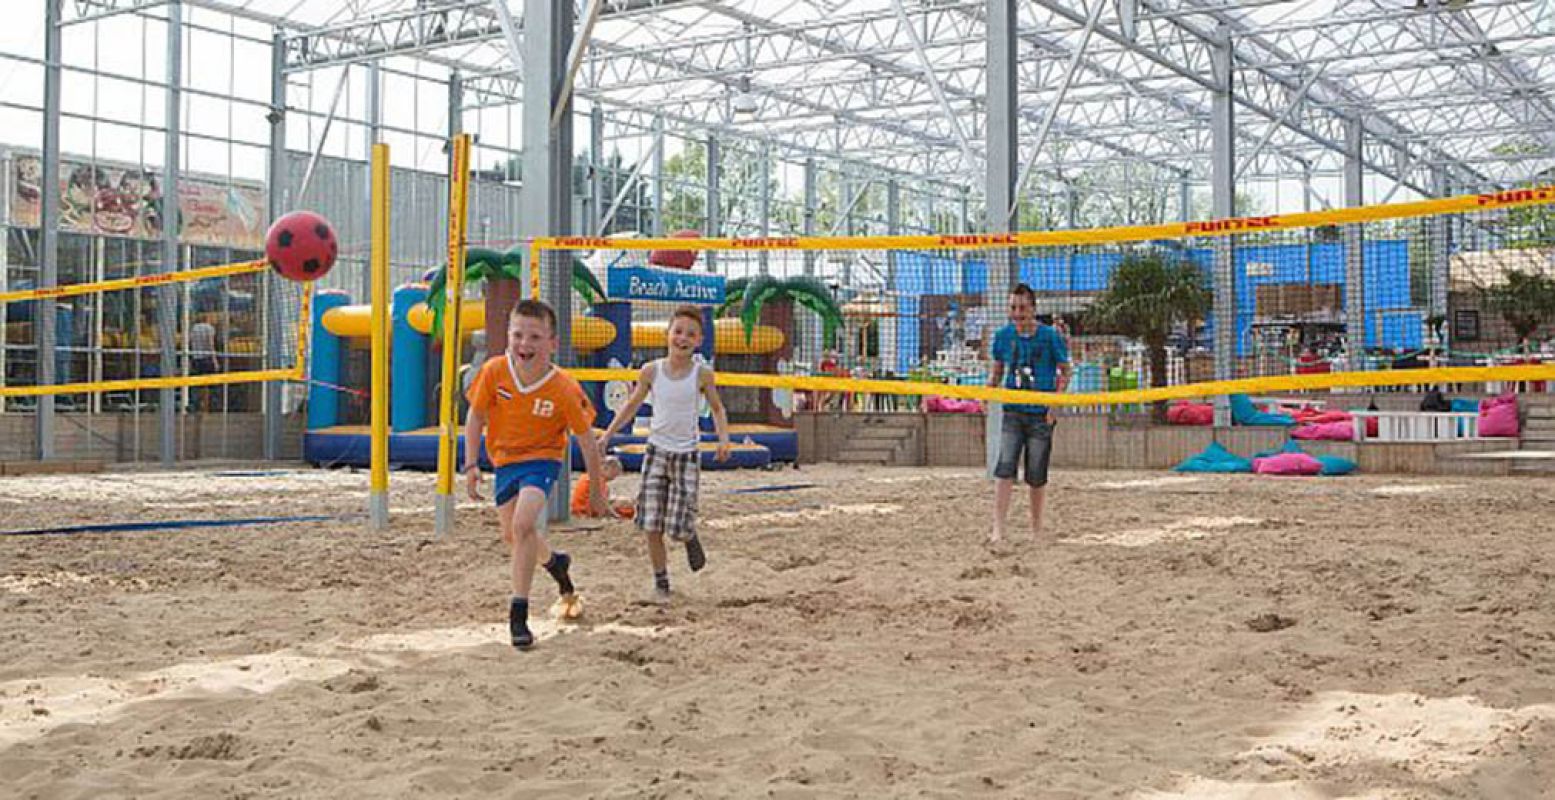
(1231, 639)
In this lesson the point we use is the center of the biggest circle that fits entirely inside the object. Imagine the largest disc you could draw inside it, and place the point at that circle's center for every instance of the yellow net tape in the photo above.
(142, 282)
(297, 352)
(1537, 196)
(1542, 195)
(1279, 383)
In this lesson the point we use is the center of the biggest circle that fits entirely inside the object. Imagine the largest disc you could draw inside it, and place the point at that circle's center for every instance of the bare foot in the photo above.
(996, 536)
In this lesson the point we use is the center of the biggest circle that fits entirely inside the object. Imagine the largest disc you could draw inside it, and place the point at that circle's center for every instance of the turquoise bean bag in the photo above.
(1215, 459)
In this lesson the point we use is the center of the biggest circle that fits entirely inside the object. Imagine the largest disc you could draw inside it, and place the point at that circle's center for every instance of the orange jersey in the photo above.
(529, 423)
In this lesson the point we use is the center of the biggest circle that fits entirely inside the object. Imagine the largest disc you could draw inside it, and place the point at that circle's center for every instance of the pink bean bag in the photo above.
(1337, 431)
(948, 405)
(1498, 416)
(1287, 464)
(1185, 413)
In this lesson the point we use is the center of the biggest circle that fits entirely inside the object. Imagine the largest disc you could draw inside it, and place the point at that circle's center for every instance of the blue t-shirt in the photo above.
(1030, 362)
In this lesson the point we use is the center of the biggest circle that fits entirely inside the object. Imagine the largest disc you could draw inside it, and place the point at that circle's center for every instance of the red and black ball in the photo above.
(301, 246)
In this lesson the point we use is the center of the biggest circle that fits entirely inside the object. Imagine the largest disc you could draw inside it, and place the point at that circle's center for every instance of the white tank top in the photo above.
(675, 401)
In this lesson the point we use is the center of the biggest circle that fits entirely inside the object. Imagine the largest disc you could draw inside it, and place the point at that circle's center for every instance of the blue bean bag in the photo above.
(1336, 465)
(1215, 459)
(1243, 412)
(1464, 404)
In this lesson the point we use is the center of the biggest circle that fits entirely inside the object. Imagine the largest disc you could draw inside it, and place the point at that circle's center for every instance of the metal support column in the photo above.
(1441, 255)
(455, 110)
(893, 221)
(275, 342)
(1222, 206)
(372, 133)
(658, 176)
(597, 174)
(1003, 148)
(1354, 248)
(547, 196)
(167, 296)
(714, 199)
(48, 260)
(810, 191)
(1184, 199)
(765, 204)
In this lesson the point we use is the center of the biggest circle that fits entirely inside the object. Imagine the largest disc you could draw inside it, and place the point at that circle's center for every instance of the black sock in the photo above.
(558, 566)
(661, 580)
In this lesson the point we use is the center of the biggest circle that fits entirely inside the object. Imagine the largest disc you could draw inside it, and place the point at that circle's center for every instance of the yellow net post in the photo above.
(448, 418)
(378, 499)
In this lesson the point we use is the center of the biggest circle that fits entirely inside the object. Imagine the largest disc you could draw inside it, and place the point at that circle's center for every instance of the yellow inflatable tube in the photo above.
(729, 337)
(588, 333)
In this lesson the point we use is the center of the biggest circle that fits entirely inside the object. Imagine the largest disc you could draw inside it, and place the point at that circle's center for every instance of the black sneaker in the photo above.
(558, 567)
(694, 554)
(518, 628)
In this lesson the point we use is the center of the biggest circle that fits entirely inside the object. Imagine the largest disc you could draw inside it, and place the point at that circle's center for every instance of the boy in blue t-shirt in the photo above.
(1028, 356)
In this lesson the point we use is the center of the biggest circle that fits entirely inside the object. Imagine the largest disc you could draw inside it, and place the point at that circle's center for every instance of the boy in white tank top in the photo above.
(667, 501)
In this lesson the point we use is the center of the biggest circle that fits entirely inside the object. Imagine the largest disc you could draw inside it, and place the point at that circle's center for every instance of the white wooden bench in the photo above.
(1418, 426)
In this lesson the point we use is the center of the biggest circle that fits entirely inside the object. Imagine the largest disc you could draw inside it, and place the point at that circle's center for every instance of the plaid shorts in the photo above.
(667, 501)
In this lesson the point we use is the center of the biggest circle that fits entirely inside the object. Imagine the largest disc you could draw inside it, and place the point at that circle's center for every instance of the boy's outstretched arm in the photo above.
(593, 464)
(720, 416)
(474, 427)
(628, 412)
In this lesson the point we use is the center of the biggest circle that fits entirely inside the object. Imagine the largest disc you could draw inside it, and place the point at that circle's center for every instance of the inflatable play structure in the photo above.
(604, 336)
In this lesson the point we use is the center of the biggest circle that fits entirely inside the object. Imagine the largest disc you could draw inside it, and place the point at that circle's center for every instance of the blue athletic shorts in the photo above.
(512, 478)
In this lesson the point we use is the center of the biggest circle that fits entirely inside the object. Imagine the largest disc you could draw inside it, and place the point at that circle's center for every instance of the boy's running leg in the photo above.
(528, 507)
(658, 557)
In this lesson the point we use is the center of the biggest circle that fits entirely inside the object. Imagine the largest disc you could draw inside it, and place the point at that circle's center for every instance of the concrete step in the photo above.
(864, 457)
(893, 426)
(880, 435)
(889, 419)
(883, 448)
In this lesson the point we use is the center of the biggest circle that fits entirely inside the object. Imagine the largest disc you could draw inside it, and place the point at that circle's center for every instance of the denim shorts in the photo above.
(512, 478)
(1025, 433)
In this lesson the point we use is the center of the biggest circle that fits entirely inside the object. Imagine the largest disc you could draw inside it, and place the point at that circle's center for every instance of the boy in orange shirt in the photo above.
(612, 469)
(531, 406)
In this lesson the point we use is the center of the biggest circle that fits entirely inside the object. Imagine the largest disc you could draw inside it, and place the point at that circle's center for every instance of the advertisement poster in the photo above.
(127, 201)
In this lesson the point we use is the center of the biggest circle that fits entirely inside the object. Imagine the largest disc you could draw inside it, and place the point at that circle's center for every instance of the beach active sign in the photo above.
(672, 285)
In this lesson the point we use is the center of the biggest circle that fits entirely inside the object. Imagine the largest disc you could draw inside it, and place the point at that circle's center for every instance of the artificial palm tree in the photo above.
(752, 294)
(489, 265)
(1148, 296)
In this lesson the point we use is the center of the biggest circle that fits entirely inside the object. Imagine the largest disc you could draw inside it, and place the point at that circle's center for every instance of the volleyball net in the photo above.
(1446, 291)
(113, 341)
